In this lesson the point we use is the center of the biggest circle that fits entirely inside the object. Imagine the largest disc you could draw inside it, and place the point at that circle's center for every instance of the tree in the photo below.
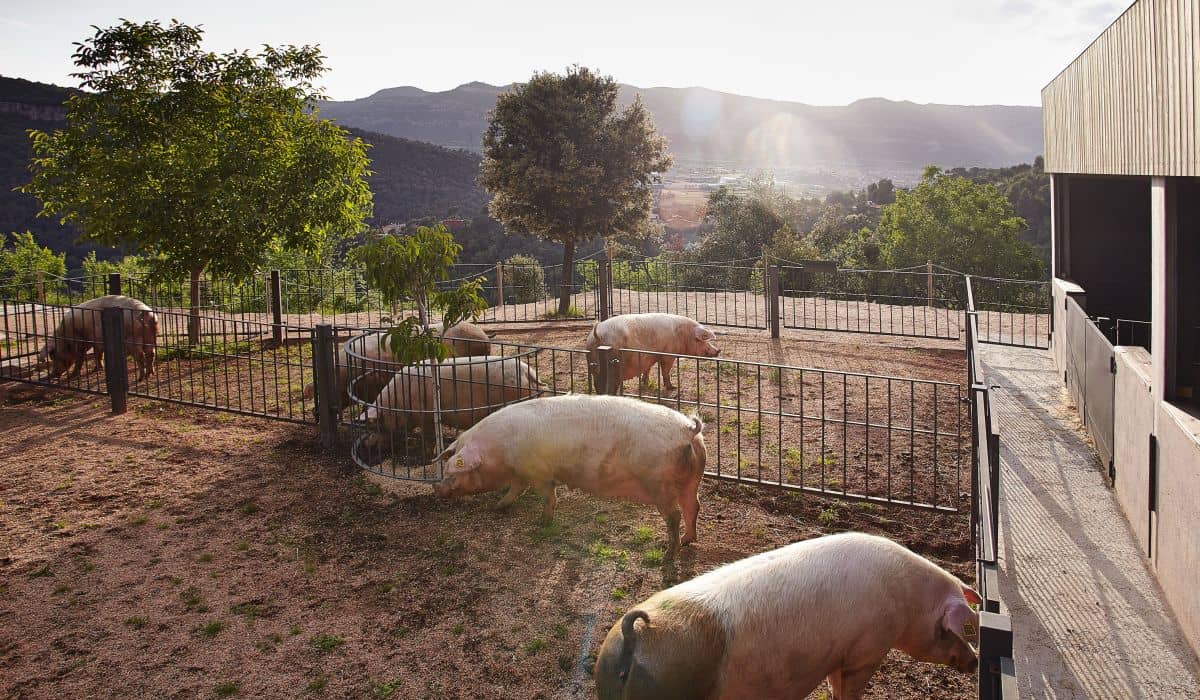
(957, 223)
(412, 268)
(561, 163)
(882, 192)
(26, 264)
(196, 160)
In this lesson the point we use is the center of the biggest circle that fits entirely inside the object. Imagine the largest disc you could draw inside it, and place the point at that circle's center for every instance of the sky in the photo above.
(823, 53)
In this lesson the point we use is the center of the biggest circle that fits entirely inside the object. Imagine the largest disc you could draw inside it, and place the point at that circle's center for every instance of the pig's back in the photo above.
(640, 331)
(119, 301)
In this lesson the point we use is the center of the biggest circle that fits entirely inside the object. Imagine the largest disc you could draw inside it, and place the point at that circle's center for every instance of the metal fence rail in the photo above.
(1012, 312)
(711, 293)
(889, 302)
(30, 329)
(529, 293)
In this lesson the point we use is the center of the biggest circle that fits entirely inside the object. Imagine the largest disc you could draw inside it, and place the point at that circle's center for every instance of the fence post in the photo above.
(608, 371)
(114, 283)
(929, 282)
(995, 645)
(276, 308)
(112, 322)
(323, 366)
(602, 284)
(773, 292)
(499, 284)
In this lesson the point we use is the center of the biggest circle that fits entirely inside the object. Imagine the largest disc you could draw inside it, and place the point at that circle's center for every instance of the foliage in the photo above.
(25, 263)
(1027, 188)
(524, 280)
(411, 267)
(195, 159)
(959, 224)
(562, 164)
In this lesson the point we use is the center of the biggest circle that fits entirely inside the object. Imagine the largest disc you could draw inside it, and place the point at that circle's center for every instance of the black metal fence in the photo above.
(31, 330)
(1012, 312)
(997, 671)
(711, 293)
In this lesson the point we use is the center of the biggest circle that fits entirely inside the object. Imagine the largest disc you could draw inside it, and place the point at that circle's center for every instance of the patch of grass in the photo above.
(566, 663)
(535, 645)
(59, 525)
(59, 590)
(834, 485)
(548, 531)
(560, 631)
(386, 586)
(828, 516)
(192, 600)
(248, 610)
(242, 546)
(210, 629)
(572, 312)
(601, 518)
(324, 643)
(138, 520)
(384, 689)
(317, 684)
(137, 622)
(226, 689)
(602, 553)
(653, 557)
(294, 630)
(727, 429)
(792, 456)
(643, 534)
(249, 508)
(457, 629)
(41, 572)
(619, 594)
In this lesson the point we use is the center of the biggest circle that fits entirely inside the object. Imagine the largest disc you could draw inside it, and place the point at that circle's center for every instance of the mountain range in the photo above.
(707, 126)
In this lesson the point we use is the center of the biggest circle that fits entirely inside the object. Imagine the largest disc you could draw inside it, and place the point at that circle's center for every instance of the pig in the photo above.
(776, 624)
(609, 446)
(368, 373)
(81, 329)
(665, 333)
(471, 388)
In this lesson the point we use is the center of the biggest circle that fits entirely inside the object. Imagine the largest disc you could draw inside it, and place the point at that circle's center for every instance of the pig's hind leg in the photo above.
(665, 364)
(849, 684)
(547, 490)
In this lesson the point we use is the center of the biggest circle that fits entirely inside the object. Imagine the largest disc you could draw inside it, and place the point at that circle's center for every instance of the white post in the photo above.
(1159, 270)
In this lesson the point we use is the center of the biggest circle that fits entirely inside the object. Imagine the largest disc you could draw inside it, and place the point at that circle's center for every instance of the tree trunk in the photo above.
(194, 310)
(567, 281)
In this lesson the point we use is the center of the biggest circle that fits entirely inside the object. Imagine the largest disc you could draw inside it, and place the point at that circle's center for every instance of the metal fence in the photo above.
(997, 672)
(1091, 378)
(923, 304)
(1012, 312)
(30, 329)
(712, 293)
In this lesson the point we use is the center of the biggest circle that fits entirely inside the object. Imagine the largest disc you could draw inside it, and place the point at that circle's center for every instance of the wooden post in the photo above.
(323, 365)
(276, 299)
(608, 371)
(114, 283)
(773, 290)
(116, 377)
(603, 287)
(499, 285)
(929, 282)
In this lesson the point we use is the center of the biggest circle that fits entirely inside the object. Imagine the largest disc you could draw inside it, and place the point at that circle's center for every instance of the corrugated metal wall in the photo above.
(1128, 104)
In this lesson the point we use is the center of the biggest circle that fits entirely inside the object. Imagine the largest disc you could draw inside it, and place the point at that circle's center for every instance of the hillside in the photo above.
(705, 125)
(410, 179)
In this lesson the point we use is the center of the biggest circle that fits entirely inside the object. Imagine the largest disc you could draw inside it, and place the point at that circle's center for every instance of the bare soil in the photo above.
(179, 552)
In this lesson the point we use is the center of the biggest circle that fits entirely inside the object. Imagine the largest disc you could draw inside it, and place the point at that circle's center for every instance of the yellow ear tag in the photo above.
(459, 462)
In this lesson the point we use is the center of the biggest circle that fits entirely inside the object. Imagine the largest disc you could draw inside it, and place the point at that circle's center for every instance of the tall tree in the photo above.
(563, 164)
(959, 224)
(198, 160)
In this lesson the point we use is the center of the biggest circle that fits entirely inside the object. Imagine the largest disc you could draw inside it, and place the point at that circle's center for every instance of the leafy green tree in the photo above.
(524, 279)
(562, 164)
(410, 267)
(198, 160)
(25, 264)
(959, 224)
(741, 226)
(882, 192)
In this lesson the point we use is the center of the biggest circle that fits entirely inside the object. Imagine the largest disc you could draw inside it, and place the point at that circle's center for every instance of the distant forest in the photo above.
(422, 183)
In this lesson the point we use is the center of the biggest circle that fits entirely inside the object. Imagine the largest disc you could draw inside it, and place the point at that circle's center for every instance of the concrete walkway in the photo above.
(1089, 620)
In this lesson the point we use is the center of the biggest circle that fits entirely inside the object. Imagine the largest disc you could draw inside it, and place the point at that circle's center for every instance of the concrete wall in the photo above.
(1176, 553)
(1134, 404)
(1061, 290)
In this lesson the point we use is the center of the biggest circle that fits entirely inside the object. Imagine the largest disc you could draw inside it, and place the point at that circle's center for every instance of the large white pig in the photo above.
(81, 329)
(606, 445)
(471, 388)
(776, 624)
(654, 333)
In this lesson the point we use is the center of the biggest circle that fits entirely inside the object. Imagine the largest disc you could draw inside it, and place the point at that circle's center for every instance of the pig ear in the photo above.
(467, 459)
(972, 596)
(702, 333)
(960, 620)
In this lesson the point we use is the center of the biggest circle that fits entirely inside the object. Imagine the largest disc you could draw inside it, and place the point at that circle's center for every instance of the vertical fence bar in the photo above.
(114, 283)
(500, 289)
(276, 300)
(323, 359)
(112, 322)
(773, 282)
(602, 287)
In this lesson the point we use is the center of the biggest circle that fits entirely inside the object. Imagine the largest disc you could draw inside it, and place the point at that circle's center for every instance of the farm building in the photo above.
(1122, 133)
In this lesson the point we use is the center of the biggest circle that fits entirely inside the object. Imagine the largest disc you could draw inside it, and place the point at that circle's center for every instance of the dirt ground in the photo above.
(178, 552)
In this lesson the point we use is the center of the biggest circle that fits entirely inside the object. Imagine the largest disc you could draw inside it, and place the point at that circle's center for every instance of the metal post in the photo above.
(773, 290)
(995, 644)
(929, 282)
(112, 323)
(499, 285)
(114, 283)
(323, 364)
(276, 308)
(602, 283)
(608, 371)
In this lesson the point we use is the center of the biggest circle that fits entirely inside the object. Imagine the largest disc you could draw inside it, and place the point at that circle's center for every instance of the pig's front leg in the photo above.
(546, 489)
(516, 488)
(665, 364)
(849, 684)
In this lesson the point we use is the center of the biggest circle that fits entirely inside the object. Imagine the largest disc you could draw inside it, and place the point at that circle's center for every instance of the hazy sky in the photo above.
(831, 52)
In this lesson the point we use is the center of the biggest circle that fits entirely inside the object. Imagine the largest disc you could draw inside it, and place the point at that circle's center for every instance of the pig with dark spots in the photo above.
(606, 445)
(777, 624)
(652, 333)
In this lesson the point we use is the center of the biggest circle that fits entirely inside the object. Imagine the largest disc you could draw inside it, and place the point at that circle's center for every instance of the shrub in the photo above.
(524, 280)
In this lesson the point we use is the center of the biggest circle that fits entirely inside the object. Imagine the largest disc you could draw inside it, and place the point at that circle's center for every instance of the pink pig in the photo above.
(606, 445)
(774, 625)
(655, 333)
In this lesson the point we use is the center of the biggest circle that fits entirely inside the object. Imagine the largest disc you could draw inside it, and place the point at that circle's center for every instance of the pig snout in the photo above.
(711, 350)
(448, 488)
